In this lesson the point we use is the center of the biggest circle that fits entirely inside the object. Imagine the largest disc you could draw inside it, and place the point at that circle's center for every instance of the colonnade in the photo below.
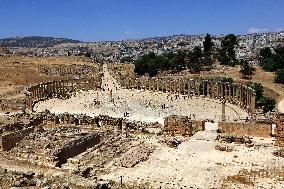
(234, 93)
(61, 88)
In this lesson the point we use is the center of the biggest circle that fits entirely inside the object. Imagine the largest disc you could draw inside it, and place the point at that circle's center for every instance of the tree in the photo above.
(247, 70)
(227, 54)
(265, 53)
(197, 52)
(271, 61)
(195, 57)
(267, 103)
(258, 88)
(279, 76)
(207, 44)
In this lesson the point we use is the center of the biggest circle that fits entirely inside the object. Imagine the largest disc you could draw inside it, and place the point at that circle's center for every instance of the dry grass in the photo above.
(246, 177)
(19, 71)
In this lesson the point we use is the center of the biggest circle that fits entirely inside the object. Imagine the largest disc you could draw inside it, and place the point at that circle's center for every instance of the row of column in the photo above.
(57, 88)
(238, 94)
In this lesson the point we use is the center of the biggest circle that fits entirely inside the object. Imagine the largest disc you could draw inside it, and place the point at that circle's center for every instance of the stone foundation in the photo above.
(75, 148)
(182, 125)
(8, 141)
(279, 121)
(257, 128)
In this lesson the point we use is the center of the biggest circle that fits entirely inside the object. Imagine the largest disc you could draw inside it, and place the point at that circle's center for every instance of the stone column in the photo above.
(253, 103)
(157, 85)
(222, 90)
(226, 91)
(234, 92)
(241, 96)
(223, 117)
(188, 87)
(208, 88)
(198, 88)
(175, 86)
(245, 97)
(230, 92)
(203, 89)
(218, 89)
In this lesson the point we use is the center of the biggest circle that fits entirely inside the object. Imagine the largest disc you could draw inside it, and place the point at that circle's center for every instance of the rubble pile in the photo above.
(172, 142)
(135, 155)
(230, 138)
(40, 147)
(93, 161)
(224, 148)
(279, 152)
(74, 71)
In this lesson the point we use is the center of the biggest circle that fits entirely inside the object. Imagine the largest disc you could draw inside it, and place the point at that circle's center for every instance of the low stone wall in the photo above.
(75, 148)
(11, 134)
(257, 128)
(279, 121)
(9, 140)
(183, 125)
(198, 126)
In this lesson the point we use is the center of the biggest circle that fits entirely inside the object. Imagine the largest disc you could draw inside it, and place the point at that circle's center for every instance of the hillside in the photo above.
(34, 41)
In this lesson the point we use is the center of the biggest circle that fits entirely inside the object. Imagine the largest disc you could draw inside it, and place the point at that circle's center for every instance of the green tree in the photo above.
(247, 70)
(279, 76)
(267, 103)
(227, 54)
(265, 53)
(195, 60)
(207, 44)
(197, 52)
(271, 61)
(258, 88)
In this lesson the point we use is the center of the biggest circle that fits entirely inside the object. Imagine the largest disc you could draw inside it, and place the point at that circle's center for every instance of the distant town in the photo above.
(248, 46)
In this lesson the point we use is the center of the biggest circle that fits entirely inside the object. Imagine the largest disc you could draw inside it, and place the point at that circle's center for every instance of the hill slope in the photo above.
(34, 41)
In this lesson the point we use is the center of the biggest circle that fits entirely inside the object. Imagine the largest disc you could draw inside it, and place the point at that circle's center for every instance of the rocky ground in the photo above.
(197, 163)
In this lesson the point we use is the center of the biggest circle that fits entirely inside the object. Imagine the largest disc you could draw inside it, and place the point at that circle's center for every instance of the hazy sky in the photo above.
(91, 20)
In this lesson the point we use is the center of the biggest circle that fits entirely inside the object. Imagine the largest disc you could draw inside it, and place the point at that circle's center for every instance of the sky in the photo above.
(100, 20)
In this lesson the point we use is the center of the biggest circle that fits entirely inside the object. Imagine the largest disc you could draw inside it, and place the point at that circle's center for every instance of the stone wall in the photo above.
(11, 134)
(182, 125)
(279, 134)
(198, 126)
(75, 148)
(257, 128)
(9, 140)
